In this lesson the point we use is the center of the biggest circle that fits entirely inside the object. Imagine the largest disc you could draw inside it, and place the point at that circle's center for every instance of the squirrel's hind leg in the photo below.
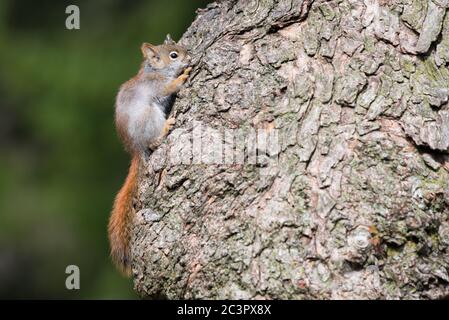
(168, 125)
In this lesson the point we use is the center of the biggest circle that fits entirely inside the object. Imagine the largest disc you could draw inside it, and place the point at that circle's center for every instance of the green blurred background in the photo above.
(61, 162)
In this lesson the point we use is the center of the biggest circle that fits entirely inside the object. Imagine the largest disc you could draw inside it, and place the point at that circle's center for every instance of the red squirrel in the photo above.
(141, 110)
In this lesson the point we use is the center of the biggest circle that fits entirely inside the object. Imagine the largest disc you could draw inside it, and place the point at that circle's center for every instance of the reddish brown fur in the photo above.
(175, 84)
(121, 125)
(118, 222)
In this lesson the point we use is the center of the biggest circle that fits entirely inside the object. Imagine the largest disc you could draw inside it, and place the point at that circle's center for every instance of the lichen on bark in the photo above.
(352, 203)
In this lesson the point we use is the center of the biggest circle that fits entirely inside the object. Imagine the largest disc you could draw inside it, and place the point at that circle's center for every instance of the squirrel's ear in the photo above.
(169, 40)
(148, 50)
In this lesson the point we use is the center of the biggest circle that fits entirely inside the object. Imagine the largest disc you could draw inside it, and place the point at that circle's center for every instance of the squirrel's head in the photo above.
(168, 58)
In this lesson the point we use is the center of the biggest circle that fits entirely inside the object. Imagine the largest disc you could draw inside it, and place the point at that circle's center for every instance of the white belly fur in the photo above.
(145, 121)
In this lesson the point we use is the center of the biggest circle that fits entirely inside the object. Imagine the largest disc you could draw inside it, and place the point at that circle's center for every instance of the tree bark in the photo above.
(309, 159)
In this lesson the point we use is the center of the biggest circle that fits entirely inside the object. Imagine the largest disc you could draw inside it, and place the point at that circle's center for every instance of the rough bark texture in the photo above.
(354, 201)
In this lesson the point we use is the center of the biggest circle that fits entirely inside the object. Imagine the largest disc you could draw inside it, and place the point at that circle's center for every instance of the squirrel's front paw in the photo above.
(187, 70)
(175, 85)
(185, 75)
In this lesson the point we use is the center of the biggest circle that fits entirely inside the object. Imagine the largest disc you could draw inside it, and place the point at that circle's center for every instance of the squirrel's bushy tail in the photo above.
(119, 220)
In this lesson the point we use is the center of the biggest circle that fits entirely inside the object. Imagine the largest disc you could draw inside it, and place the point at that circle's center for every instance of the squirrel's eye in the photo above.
(173, 55)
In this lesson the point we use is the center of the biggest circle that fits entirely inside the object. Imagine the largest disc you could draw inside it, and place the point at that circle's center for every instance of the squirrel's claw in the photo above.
(187, 70)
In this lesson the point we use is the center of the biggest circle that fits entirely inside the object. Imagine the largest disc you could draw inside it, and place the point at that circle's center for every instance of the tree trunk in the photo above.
(309, 159)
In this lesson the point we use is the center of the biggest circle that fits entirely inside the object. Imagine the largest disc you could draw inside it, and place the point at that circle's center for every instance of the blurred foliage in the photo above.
(61, 162)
